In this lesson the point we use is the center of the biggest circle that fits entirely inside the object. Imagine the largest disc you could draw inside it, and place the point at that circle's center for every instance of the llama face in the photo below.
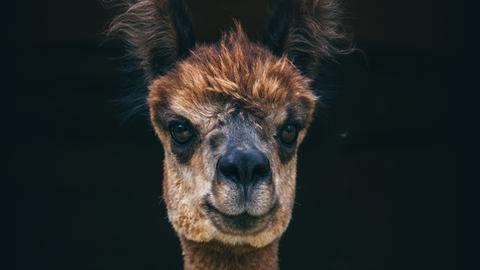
(231, 117)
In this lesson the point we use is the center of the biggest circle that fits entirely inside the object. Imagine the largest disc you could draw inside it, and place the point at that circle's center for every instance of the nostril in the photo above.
(261, 170)
(228, 169)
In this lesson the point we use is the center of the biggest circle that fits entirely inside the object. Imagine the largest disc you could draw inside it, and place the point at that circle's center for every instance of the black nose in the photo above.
(244, 166)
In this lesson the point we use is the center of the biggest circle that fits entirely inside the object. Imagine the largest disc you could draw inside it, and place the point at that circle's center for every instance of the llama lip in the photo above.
(242, 224)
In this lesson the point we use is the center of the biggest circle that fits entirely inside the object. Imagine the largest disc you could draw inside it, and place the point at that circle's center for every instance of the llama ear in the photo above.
(156, 32)
(307, 31)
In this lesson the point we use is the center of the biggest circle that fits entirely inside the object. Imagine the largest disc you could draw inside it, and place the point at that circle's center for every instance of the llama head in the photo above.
(230, 115)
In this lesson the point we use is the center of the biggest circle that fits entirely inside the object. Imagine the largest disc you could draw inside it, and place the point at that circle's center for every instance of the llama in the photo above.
(230, 117)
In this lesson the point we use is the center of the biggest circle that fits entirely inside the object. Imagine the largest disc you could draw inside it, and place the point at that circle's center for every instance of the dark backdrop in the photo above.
(385, 196)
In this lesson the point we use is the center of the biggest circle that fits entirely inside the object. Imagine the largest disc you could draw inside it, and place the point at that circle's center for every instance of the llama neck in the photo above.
(209, 256)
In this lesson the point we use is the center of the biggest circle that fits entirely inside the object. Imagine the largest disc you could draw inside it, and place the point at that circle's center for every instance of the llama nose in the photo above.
(244, 167)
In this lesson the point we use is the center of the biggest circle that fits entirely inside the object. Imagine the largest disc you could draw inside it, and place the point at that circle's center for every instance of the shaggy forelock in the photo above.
(234, 69)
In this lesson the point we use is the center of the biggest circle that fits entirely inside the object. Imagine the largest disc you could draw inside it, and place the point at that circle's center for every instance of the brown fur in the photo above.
(237, 69)
(201, 256)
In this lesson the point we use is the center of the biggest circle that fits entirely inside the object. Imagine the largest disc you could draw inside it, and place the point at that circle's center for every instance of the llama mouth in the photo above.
(242, 224)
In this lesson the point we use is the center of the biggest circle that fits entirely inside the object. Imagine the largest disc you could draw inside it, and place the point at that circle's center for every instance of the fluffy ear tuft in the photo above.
(311, 34)
(157, 33)
(307, 31)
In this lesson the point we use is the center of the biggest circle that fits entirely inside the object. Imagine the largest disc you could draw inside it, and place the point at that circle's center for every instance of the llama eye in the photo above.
(288, 134)
(181, 133)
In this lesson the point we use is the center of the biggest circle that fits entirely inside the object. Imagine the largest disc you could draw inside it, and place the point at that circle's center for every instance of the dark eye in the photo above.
(181, 132)
(288, 134)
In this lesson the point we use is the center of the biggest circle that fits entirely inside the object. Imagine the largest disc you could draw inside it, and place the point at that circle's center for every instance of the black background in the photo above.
(387, 196)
